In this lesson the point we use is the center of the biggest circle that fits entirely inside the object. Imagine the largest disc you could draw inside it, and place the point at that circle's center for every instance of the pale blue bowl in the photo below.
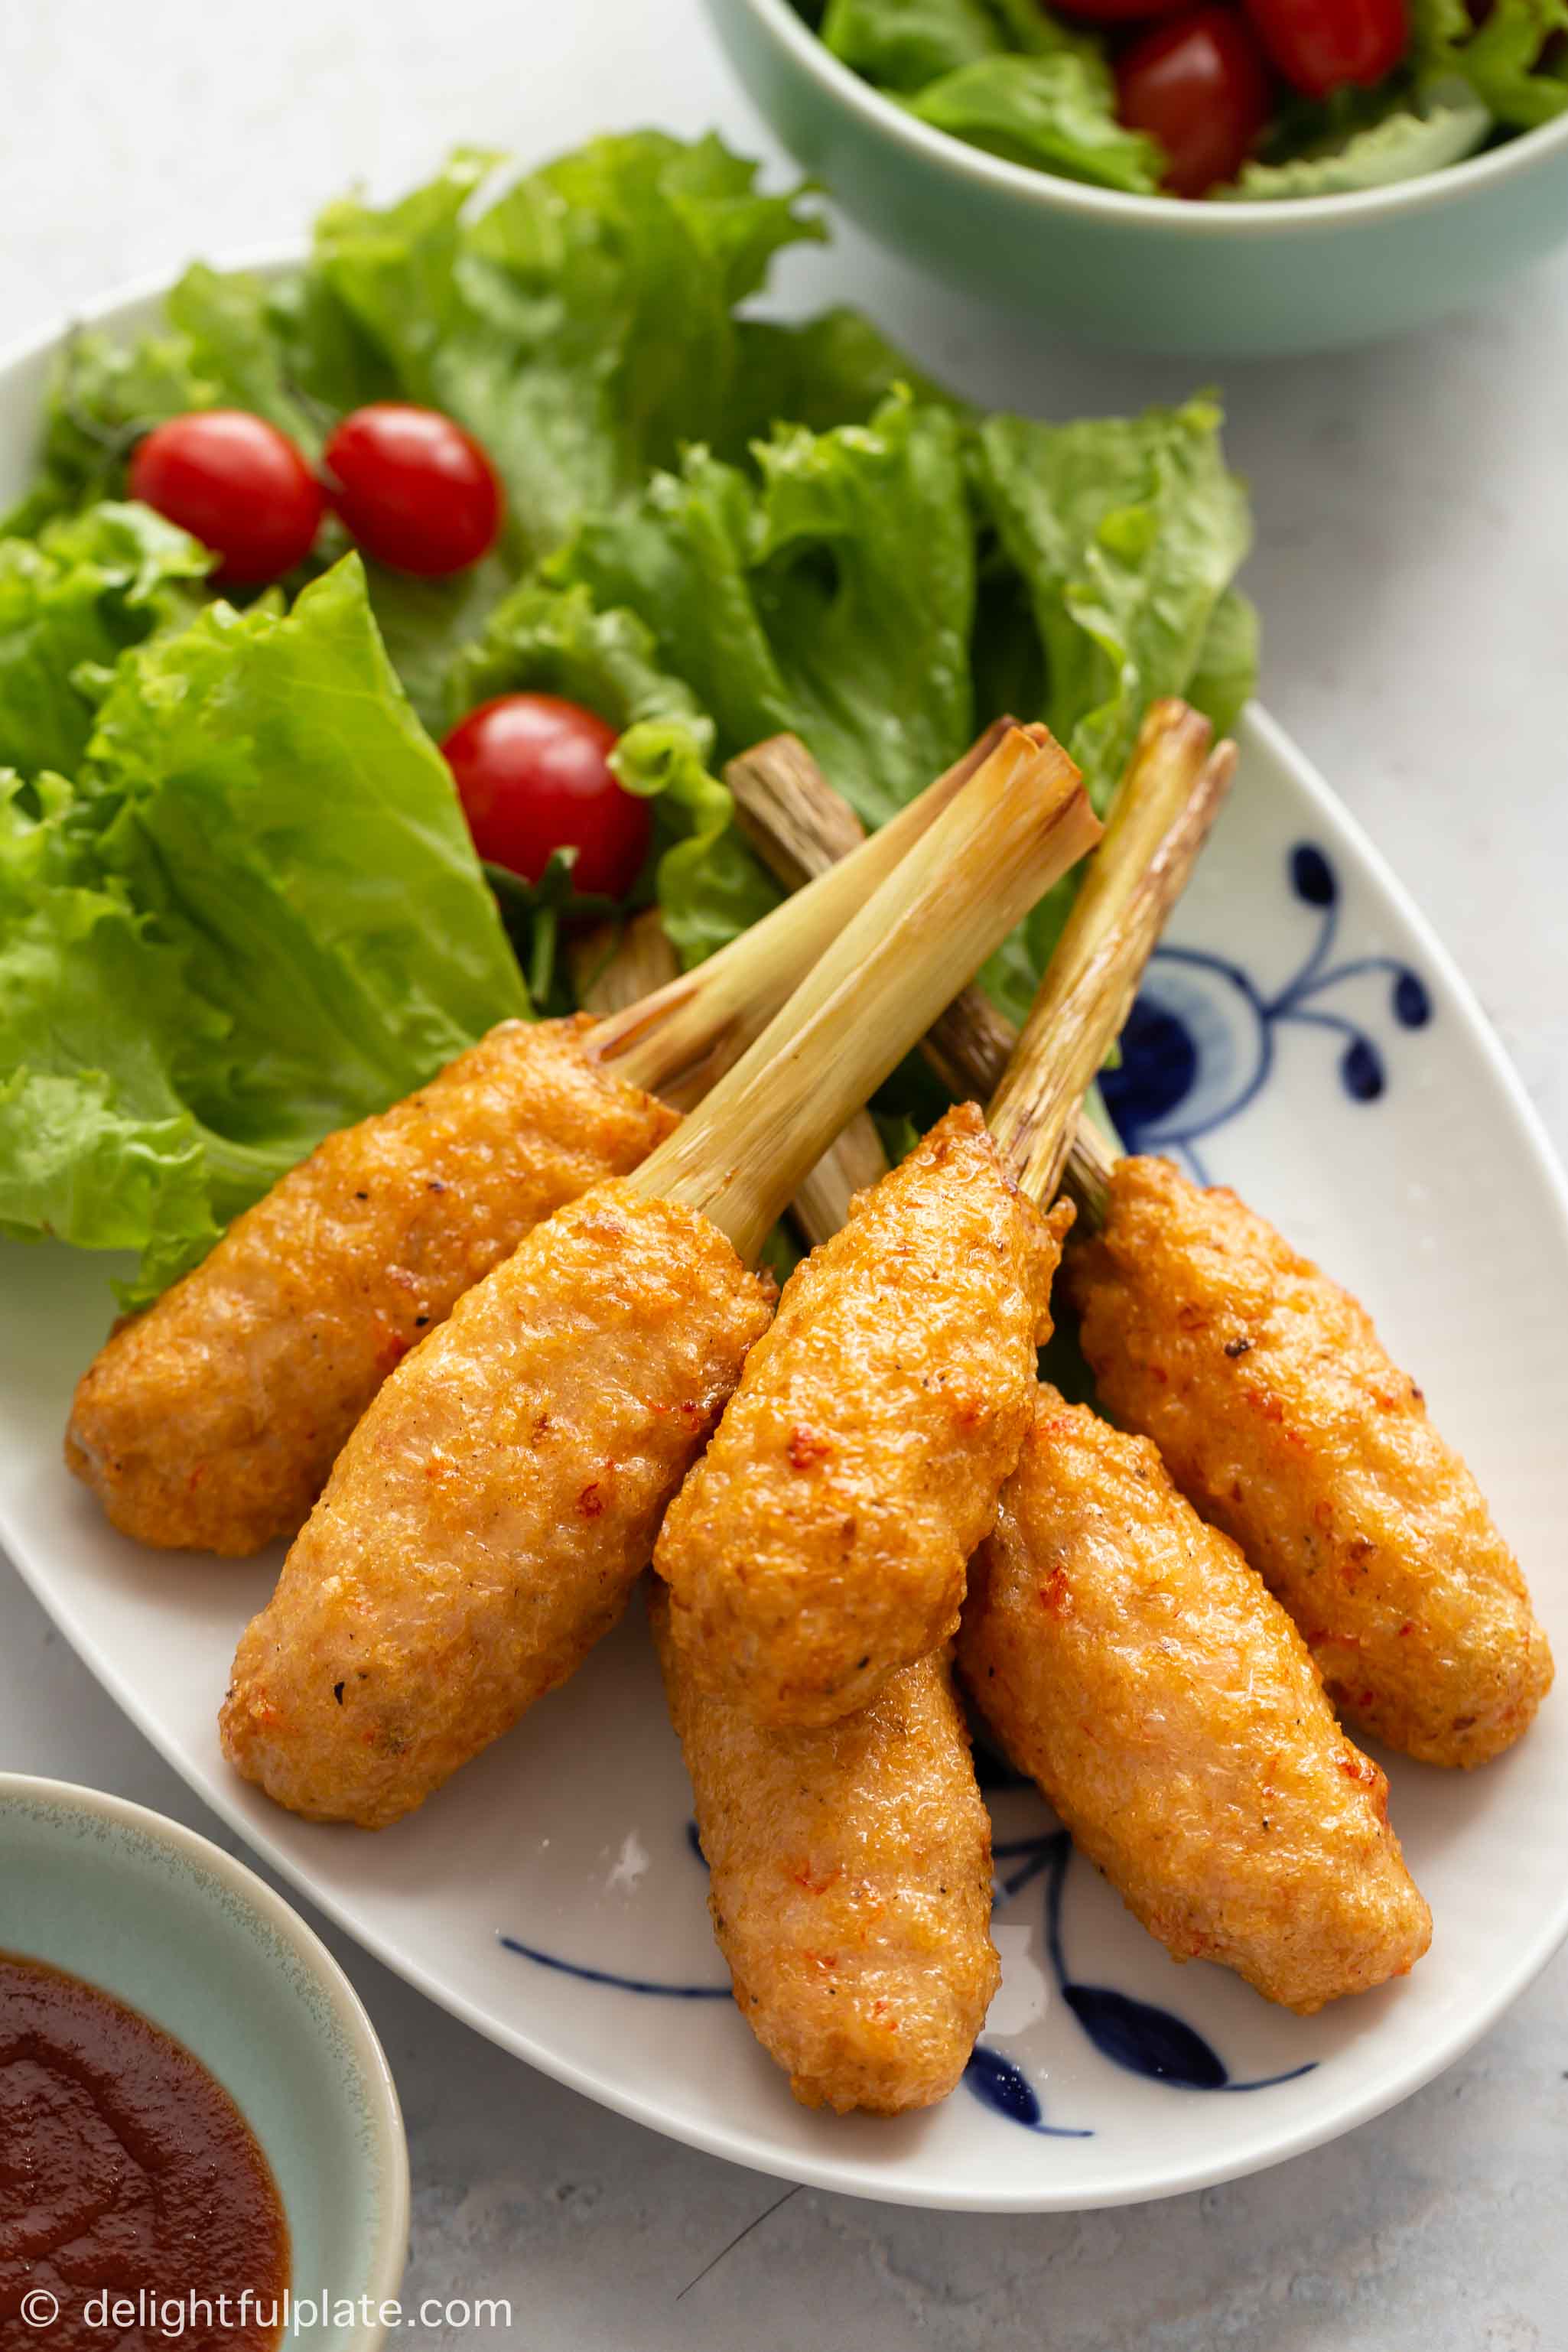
(171, 1924)
(1148, 273)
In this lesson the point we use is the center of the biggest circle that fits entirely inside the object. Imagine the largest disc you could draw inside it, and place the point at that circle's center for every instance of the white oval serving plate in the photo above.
(1305, 1038)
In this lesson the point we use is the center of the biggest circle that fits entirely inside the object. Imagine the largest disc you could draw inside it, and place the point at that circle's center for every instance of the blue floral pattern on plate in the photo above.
(1200, 1042)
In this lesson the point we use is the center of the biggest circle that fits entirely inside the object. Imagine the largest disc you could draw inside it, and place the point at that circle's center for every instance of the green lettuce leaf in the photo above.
(70, 603)
(255, 915)
(834, 596)
(102, 397)
(544, 322)
(836, 369)
(1117, 540)
(426, 626)
(1057, 113)
(1514, 60)
(1126, 532)
(902, 45)
(1424, 136)
(905, 45)
(1226, 677)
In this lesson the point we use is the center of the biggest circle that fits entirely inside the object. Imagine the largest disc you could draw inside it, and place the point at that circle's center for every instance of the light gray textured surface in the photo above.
(1413, 507)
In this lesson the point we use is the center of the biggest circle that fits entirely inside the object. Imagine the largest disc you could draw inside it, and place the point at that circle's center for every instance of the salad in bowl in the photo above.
(1231, 100)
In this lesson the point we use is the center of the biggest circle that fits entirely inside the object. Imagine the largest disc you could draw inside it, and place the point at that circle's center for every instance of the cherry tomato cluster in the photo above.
(1200, 80)
(419, 495)
(410, 486)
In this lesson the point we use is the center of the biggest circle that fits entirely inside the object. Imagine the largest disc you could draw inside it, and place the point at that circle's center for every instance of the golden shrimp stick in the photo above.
(1282, 1418)
(210, 1423)
(1127, 1657)
(1129, 1660)
(490, 1513)
(821, 1545)
(1366, 1523)
(850, 1884)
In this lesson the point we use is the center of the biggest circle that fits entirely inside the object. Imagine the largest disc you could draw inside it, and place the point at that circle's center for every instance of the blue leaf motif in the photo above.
(1412, 1005)
(999, 2083)
(1144, 2040)
(1362, 1070)
(1311, 875)
(1157, 1070)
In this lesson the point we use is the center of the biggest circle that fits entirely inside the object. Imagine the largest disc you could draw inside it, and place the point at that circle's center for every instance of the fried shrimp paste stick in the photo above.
(1127, 1658)
(489, 1516)
(210, 1423)
(1281, 1416)
(849, 1861)
(821, 1543)
(849, 1883)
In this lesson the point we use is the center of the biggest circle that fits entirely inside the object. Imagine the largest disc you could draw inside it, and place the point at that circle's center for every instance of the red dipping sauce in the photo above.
(134, 2195)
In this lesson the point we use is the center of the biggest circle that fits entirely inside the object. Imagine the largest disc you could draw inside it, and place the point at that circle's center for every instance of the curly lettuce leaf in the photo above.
(1226, 677)
(1126, 531)
(902, 45)
(847, 590)
(95, 1144)
(864, 575)
(255, 915)
(1117, 541)
(905, 45)
(1515, 59)
(1057, 113)
(835, 369)
(832, 597)
(543, 323)
(70, 603)
(101, 395)
(1426, 135)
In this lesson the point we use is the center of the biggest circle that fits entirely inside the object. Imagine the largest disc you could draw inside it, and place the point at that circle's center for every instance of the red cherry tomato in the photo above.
(1200, 86)
(415, 490)
(1322, 45)
(534, 775)
(236, 484)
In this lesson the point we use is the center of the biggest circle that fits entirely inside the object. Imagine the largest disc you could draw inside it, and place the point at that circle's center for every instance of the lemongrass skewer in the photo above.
(1159, 823)
(628, 962)
(698, 1023)
(821, 1546)
(617, 965)
(972, 1044)
(1021, 821)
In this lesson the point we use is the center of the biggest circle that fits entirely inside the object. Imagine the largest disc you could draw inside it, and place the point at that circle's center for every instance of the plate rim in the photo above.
(741, 2144)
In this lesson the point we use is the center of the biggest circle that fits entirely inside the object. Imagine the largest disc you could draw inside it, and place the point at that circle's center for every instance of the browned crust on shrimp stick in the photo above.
(1127, 1659)
(823, 1543)
(490, 1516)
(211, 1421)
(850, 1884)
(1280, 1415)
(486, 1521)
